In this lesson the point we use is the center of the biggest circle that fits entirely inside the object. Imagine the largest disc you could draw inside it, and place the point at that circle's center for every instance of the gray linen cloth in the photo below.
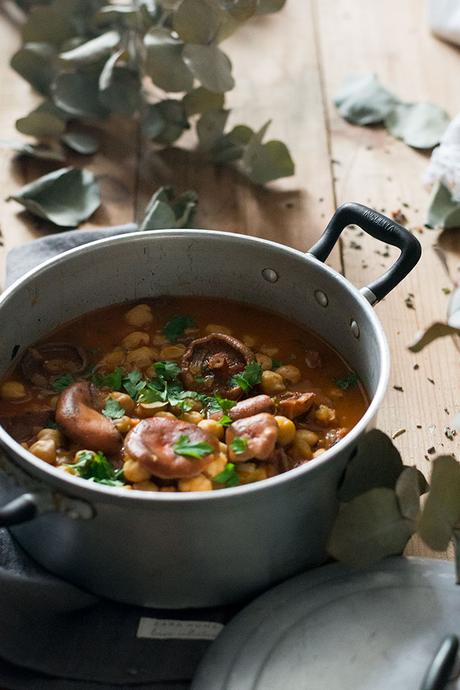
(54, 636)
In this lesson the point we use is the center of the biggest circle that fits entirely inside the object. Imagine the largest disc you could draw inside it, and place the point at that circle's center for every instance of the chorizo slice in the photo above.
(41, 364)
(152, 442)
(209, 363)
(76, 414)
(251, 406)
(295, 404)
(258, 436)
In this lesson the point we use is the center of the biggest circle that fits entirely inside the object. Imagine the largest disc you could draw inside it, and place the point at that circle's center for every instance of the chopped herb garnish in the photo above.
(112, 380)
(225, 420)
(51, 425)
(238, 445)
(249, 377)
(199, 379)
(61, 382)
(276, 363)
(192, 449)
(348, 381)
(112, 409)
(97, 468)
(175, 328)
(228, 476)
(218, 404)
(167, 370)
(133, 383)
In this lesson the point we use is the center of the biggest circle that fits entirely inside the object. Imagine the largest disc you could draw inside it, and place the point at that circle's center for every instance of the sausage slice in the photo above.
(259, 434)
(152, 443)
(295, 404)
(82, 423)
(251, 406)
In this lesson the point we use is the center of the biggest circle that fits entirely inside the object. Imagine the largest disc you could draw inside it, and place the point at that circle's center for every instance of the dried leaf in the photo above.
(65, 197)
(210, 66)
(46, 121)
(39, 151)
(265, 162)
(92, 51)
(164, 62)
(375, 463)
(269, 6)
(35, 63)
(200, 100)
(433, 332)
(77, 93)
(81, 142)
(369, 528)
(210, 127)
(420, 125)
(119, 87)
(442, 508)
(362, 100)
(408, 492)
(443, 211)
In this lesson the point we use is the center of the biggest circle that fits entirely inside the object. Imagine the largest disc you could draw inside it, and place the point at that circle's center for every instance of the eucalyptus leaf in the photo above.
(265, 162)
(92, 51)
(376, 463)
(362, 100)
(239, 9)
(198, 22)
(443, 212)
(81, 142)
(210, 66)
(408, 492)
(230, 147)
(159, 216)
(35, 63)
(441, 512)
(164, 62)
(119, 87)
(369, 528)
(269, 6)
(64, 197)
(48, 24)
(166, 211)
(46, 121)
(39, 151)
(433, 332)
(175, 121)
(153, 123)
(210, 127)
(77, 93)
(420, 125)
(185, 208)
(453, 309)
(200, 100)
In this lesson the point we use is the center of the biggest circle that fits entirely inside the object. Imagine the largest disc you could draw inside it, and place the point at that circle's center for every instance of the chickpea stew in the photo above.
(180, 394)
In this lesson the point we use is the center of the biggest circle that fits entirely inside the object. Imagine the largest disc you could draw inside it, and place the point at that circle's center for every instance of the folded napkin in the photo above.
(54, 636)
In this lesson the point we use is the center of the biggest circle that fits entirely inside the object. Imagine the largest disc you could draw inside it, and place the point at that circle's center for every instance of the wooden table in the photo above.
(288, 67)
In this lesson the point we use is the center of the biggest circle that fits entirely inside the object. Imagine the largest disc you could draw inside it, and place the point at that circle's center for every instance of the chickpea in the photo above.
(200, 483)
(325, 414)
(168, 489)
(249, 340)
(223, 447)
(172, 351)
(168, 415)
(135, 339)
(210, 426)
(112, 360)
(124, 400)
(53, 434)
(159, 339)
(192, 417)
(54, 401)
(146, 485)
(134, 471)
(290, 373)
(13, 390)
(318, 452)
(286, 430)
(249, 472)
(301, 445)
(336, 393)
(140, 315)
(45, 449)
(311, 437)
(217, 328)
(264, 360)
(272, 383)
(123, 424)
(141, 357)
(145, 410)
(268, 350)
(216, 466)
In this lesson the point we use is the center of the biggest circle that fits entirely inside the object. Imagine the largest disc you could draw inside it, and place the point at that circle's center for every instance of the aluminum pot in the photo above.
(193, 549)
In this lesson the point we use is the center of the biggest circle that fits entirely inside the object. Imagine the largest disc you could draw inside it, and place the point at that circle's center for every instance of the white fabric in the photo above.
(444, 19)
(445, 160)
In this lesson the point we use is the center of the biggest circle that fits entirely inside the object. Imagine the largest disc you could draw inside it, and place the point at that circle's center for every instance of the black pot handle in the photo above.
(20, 509)
(380, 227)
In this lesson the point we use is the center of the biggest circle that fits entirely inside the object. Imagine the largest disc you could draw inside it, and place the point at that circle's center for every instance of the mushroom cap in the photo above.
(152, 442)
(214, 359)
(41, 364)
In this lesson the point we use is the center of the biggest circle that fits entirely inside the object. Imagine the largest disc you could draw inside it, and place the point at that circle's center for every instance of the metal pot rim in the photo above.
(90, 490)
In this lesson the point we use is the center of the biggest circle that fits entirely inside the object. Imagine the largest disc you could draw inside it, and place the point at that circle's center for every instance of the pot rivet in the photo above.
(354, 328)
(270, 275)
(321, 298)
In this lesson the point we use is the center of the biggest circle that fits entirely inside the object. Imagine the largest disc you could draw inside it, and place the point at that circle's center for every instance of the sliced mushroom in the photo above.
(152, 443)
(41, 364)
(22, 425)
(209, 363)
(295, 404)
(76, 414)
(259, 434)
(251, 406)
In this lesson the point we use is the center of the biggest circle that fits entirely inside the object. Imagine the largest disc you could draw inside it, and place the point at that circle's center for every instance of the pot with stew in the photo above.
(177, 408)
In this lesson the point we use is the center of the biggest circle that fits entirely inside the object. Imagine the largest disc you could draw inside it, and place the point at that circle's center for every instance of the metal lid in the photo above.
(336, 629)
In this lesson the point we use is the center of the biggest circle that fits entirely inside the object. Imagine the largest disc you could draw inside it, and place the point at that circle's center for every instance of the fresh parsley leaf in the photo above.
(112, 409)
(218, 404)
(97, 468)
(225, 420)
(51, 425)
(249, 377)
(238, 445)
(176, 327)
(276, 363)
(150, 393)
(198, 449)
(167, 370)
(348, 381)
(228, 476)
(133, 383)
(199, 379)
(112, 380)
(61, 382)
